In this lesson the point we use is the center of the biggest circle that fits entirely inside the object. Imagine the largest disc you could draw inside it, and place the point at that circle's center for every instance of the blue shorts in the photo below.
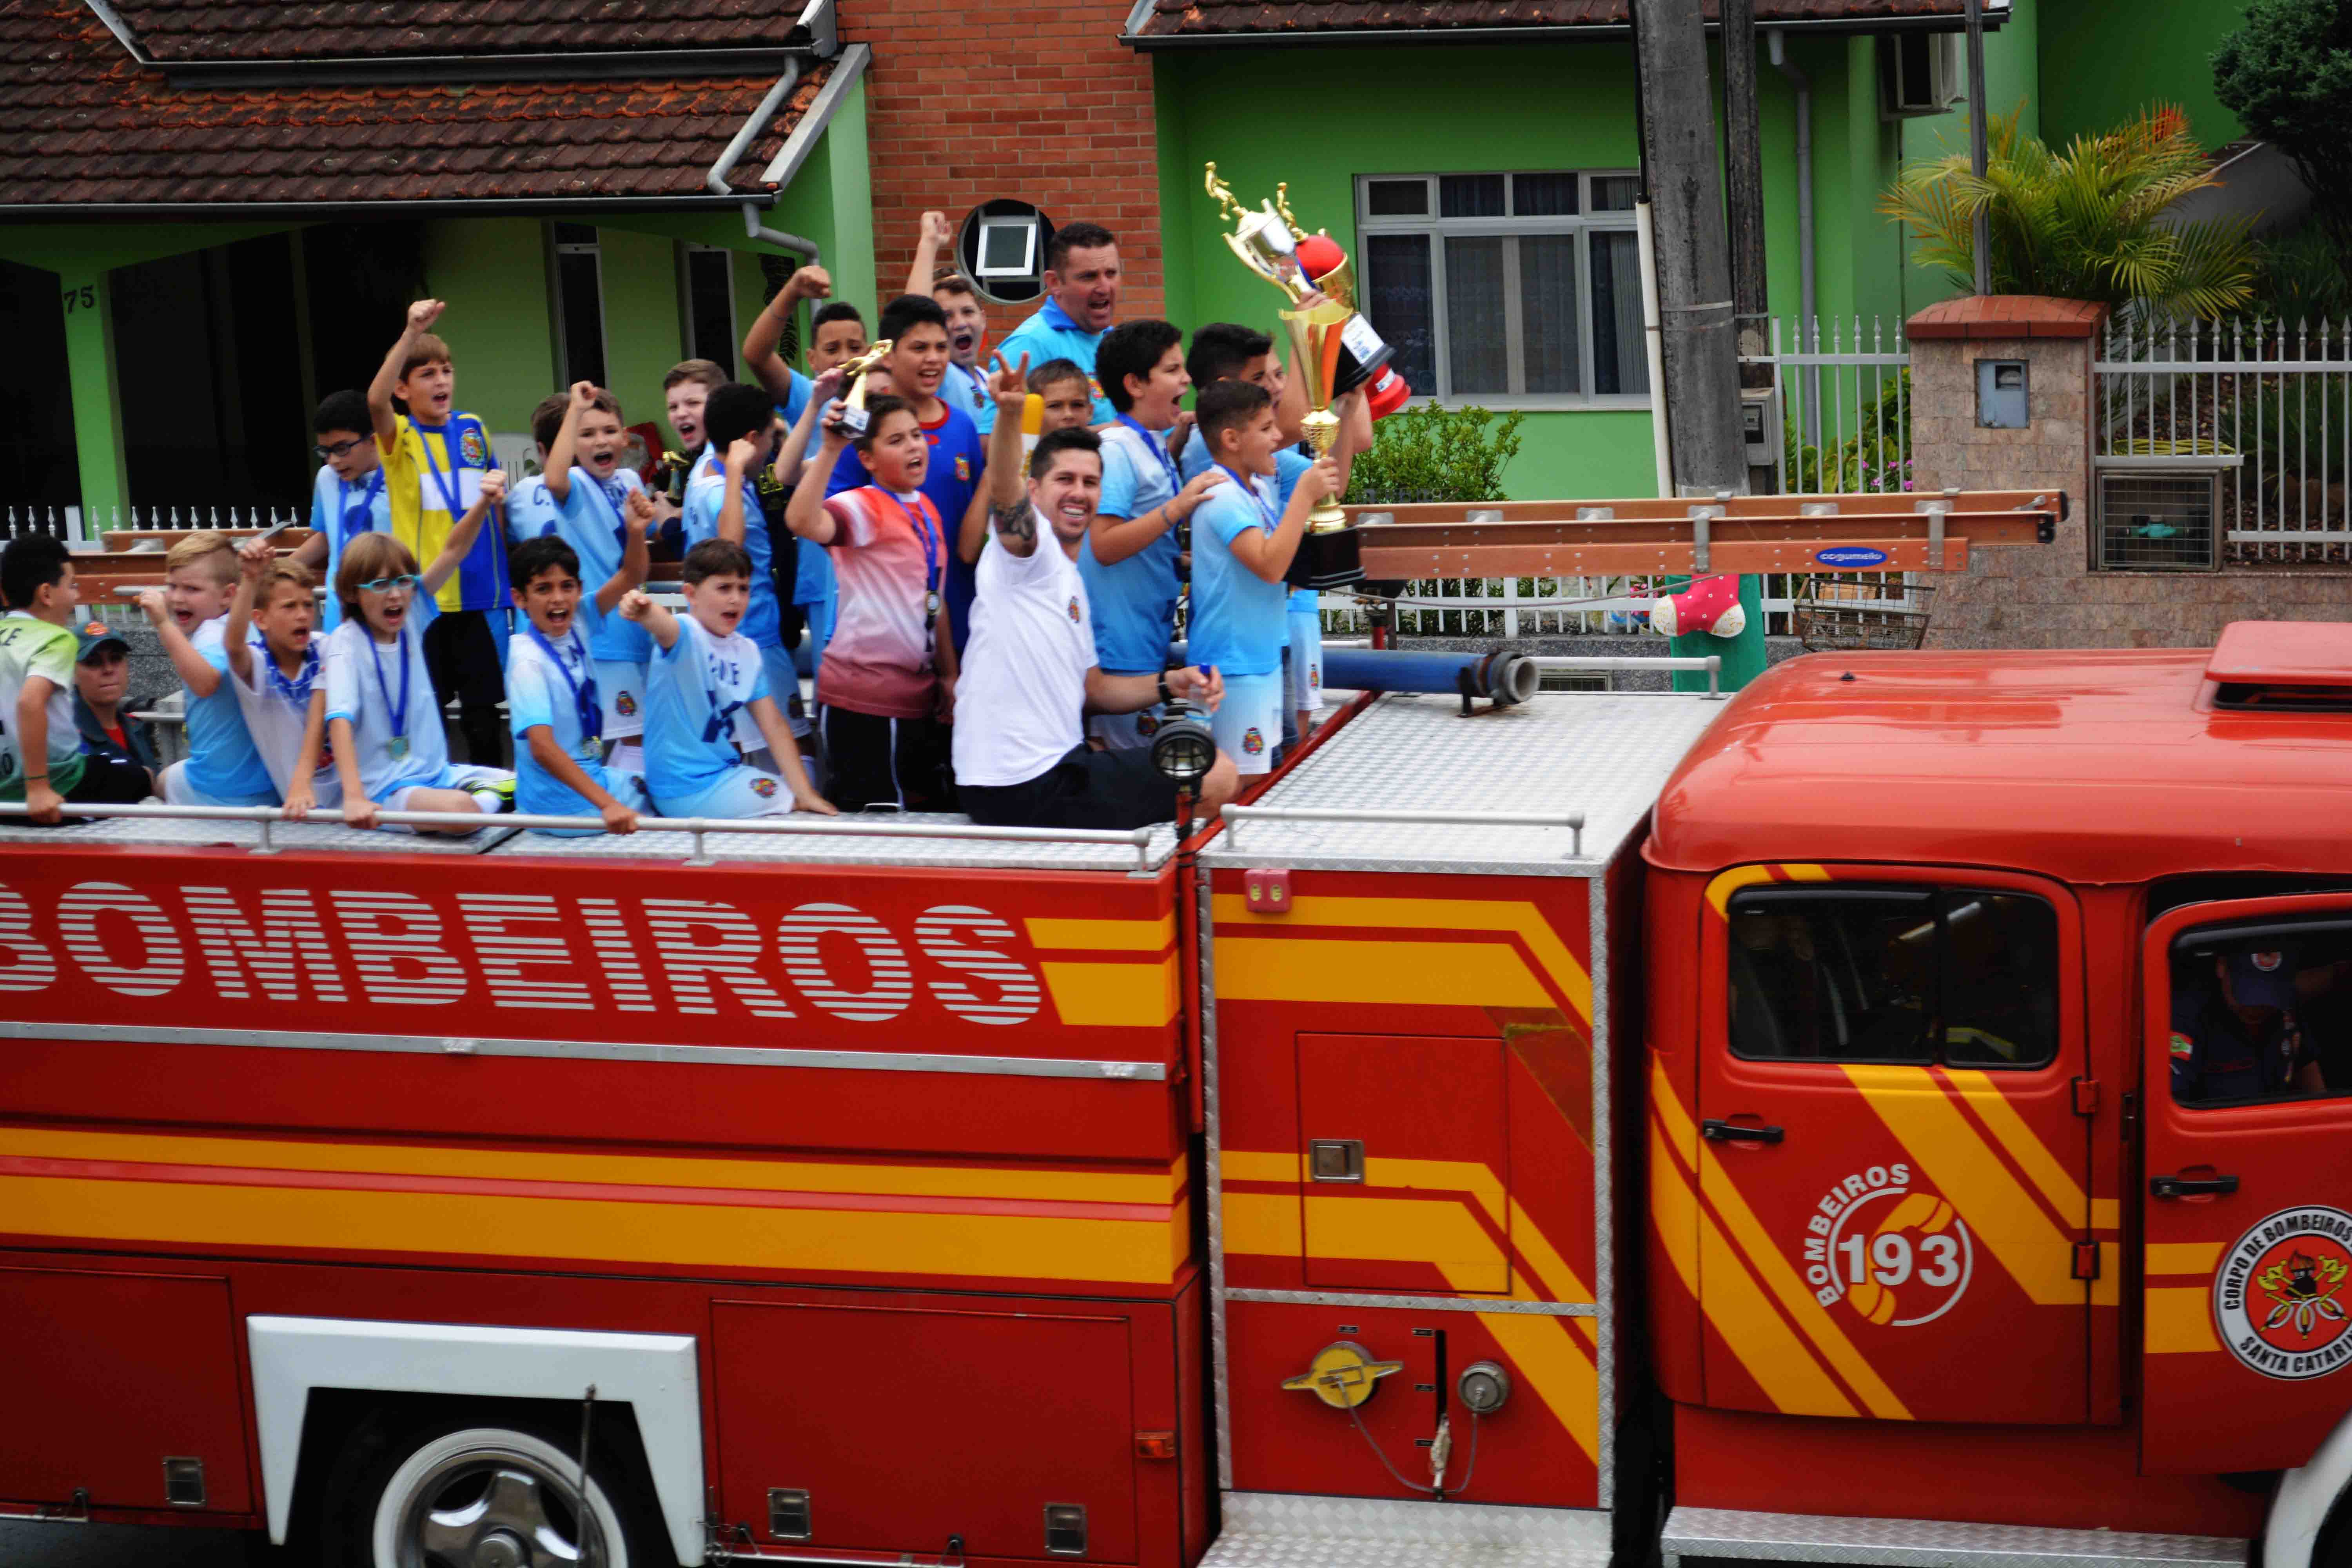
(1248, 722)
(743, 791)
(625, 788)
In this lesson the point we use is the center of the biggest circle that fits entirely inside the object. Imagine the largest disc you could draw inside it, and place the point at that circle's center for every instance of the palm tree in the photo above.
(2084, 224)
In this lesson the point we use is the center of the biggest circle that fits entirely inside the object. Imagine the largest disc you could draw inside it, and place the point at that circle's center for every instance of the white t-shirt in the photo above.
(1022, 694)
(364, 685)
(277, 710)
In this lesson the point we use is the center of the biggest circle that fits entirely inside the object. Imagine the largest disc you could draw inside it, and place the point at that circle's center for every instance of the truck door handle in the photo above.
(2183, 1186)
(1717, 1131)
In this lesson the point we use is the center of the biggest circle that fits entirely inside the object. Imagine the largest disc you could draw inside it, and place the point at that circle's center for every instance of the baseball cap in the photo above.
(2264, 977)
(97, 636)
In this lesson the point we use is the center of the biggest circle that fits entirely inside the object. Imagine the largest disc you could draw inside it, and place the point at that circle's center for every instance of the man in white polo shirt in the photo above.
(1029, 674)
(1082, 280)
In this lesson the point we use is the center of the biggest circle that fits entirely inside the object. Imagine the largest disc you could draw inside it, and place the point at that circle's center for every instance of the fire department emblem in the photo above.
(624, 703)
(763, 787)
(1899, 1254)
(1252, 742)
(474, 449)
(2280, 1296)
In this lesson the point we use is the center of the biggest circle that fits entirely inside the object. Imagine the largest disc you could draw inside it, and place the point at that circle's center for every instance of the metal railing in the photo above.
(75, 526)
(266, 816)
(1844, 392)
(2234, 437)
(1236, 815)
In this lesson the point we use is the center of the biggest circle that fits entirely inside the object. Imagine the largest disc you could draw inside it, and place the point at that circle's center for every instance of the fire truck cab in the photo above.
(1888, 1116)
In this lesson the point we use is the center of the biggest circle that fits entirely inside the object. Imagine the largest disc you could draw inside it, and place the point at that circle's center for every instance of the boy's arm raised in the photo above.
(558, 476)
(936, 232)
(252, 561)
(421, 316)
(638, 606)
(760, 345)
(197, 675)
(789, 467)
(636, 560)
(742, 453)
(461, 538)
(805, 513)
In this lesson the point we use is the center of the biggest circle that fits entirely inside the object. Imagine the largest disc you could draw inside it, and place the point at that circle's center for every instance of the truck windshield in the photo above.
(1964, 978)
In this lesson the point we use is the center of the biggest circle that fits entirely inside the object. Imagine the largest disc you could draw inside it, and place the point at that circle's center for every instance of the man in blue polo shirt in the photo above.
(1082, 278)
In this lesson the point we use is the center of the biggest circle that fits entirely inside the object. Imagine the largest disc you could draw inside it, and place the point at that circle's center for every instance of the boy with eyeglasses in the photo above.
(348, 497)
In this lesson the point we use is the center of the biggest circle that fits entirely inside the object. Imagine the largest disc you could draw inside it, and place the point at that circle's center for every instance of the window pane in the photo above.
(1478, 353)
(1401, 302)
(1547, 314)
(575, 234)
(2260, 1016)
(2001, 979)
(1397, 198)
(710, 306)
(1621, 361)
(1543, 195)
(583, 317)
(1615, 192)
(1470, 195)
(1849, 977)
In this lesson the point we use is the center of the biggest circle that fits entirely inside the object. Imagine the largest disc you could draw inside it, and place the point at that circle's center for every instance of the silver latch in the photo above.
(788, 1514)
(1335, 1158)
(1066, 1529)
(183, 1483)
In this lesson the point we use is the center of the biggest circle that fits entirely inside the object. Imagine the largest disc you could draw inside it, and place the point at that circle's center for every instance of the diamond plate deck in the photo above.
(729, 848)
(191, 833)
(1932, 1544)
(1265, 1530)
(1604, 754)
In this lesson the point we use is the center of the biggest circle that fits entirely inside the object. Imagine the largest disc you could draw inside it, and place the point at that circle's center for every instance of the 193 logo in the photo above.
(1900, 1256)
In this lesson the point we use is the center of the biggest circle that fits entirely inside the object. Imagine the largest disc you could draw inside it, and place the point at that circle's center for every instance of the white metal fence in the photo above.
(1844, 392)
(72, 524)
(2223, 442)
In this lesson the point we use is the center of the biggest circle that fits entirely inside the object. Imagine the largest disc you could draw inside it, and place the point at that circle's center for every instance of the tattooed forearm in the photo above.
(1017, 521)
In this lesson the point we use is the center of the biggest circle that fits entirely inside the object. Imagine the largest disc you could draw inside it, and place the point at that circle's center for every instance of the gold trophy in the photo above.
(1330, 345)
(854, 417)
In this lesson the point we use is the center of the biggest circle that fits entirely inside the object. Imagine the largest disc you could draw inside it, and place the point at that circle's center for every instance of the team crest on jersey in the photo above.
(763, 787)
(1145, 724)
(1074, 609)
(473, 448)
(1314, 675)
(625, 704)
(1252, 742)
(2279, 1294)
(963, 469)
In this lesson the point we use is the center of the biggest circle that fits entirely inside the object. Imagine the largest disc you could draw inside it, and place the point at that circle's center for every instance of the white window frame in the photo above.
(1583, 224)
(1027, 227)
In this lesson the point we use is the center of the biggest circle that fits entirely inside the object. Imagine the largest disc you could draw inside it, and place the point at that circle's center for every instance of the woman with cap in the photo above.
(101, 677)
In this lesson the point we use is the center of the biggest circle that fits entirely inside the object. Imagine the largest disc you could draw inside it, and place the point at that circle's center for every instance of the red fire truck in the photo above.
(1884, 1117)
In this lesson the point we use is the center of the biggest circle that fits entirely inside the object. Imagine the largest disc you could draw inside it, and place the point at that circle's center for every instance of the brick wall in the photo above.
(967, 103)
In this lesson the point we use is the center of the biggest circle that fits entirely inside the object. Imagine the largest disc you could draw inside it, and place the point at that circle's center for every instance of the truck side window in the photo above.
(1894, 975)
(2261, 1014)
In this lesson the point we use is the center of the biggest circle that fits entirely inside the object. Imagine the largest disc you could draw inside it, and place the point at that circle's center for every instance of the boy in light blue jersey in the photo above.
(190, 614)
(1227, 350)
(602, 512)
(721, 502)
(1128, 560)
(1242, 543)
(348, 497)
(554, 700)
(1082, 280)
(705, 671)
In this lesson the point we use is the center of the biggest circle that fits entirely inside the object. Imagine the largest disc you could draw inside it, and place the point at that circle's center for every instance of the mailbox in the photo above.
(2001, 395)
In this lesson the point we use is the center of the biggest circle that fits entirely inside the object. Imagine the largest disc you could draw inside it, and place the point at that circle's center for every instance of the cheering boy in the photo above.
(1242, 543)
(555, 702)
(273, 667)
(190, 614)
(705, 671)
(348, 498)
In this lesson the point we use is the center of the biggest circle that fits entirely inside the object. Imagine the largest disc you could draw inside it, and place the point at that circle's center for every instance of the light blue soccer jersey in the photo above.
(1288, 464)
(1240, 622)
(544, 690)
(1051, 334)
(341, 513)
(1134, 600)
(967, 391)
(590, 520)
(223, 761)
(692, 693)
(706, 493)
(395, 716)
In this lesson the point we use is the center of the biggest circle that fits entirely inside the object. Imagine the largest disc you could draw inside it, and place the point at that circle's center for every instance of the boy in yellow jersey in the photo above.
(433, 461)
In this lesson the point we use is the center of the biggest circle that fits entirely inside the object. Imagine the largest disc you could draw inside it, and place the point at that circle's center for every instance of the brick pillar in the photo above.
(2022, 596)
(966, 104)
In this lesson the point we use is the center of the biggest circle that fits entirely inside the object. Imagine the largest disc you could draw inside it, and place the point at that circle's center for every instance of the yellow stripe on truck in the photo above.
(1426, 974)
(1521, 919)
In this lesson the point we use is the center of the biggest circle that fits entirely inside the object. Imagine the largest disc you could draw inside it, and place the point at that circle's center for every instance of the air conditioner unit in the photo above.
(1918, 74)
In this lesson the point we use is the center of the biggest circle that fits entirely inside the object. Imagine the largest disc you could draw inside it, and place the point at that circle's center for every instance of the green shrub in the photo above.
(1436, 454)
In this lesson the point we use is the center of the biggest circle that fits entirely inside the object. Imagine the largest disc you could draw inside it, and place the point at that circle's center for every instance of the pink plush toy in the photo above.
(1708, 604)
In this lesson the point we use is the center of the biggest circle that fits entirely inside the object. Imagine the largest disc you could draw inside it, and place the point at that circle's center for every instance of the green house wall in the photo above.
(2105, 61)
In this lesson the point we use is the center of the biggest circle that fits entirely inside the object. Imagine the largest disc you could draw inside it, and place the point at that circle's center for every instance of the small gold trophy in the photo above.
(1326, 335)
(854, 417)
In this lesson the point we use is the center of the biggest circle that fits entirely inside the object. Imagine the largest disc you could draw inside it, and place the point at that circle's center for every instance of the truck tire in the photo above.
(466, 1493)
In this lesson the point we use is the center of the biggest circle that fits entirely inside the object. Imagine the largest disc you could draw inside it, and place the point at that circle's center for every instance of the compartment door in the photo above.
(1407, 1164)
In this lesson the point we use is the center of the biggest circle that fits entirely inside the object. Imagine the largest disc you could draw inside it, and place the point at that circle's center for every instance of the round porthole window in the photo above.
(1001, 248)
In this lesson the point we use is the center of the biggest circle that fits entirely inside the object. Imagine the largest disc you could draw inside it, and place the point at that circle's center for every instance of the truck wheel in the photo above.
(470, 1496)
